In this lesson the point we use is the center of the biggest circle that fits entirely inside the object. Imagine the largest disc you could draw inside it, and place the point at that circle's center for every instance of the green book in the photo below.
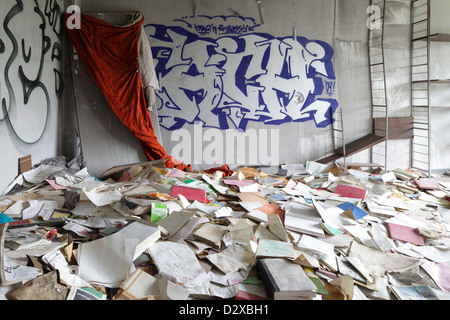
(329, 229)
(159, 212)
(316, 280)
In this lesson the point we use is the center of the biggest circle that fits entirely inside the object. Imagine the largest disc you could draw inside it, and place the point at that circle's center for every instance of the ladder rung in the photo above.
(420, 38)
(419, 144)
(420, 161)
(419, 65)
(420, 21)
(425, 154)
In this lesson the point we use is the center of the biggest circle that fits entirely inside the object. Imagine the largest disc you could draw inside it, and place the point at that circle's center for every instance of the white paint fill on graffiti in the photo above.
(230, 80)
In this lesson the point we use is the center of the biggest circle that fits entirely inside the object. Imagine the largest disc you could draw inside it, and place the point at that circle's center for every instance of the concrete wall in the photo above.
(341, 24)
(30, 83)
(287, 141)
(350, 44)
(397, 58)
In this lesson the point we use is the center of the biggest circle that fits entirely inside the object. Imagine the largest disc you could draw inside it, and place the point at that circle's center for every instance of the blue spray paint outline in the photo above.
(161, 34)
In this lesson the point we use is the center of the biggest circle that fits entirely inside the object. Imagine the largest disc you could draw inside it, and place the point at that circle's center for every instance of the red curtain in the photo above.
(110, 55)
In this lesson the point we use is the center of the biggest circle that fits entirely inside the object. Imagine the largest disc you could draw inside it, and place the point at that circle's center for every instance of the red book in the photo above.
(19, 222)
(350, 192)
(405, 233)
(273, 208)
(189, 193)
(427, 184)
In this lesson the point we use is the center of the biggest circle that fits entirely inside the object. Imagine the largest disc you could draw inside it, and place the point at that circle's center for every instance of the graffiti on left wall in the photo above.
(30, 64)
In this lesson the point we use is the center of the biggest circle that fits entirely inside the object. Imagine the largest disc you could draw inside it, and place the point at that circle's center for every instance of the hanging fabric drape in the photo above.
(111, 56)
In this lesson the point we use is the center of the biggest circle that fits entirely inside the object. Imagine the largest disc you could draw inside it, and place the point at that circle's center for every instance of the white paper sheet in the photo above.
(16, 210)
(105, 261)
(85, 209)
(176, 262)
(15, 273)
(41, 173)
(103, 198)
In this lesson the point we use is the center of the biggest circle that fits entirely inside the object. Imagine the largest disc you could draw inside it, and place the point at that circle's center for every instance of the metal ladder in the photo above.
(339, 134)
(420, 85)
(377, 73)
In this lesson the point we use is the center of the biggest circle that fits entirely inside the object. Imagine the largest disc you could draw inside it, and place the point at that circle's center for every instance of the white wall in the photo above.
(29, 56)
(340, 23)
(351, 49)
(397, 57)
(298, 142)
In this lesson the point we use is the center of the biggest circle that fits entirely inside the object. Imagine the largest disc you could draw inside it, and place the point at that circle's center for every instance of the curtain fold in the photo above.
(111, 56)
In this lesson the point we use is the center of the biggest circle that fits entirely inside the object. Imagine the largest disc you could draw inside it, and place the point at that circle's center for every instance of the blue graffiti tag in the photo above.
(229, 81)
(330, 87)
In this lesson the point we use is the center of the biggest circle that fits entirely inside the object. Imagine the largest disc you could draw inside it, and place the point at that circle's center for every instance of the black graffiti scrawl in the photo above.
(30, 80)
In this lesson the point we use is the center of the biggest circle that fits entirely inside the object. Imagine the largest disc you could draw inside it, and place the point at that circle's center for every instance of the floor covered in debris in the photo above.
(145, 232)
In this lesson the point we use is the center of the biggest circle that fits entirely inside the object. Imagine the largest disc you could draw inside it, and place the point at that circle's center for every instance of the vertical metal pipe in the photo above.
(411, 148)
(260, 9)
(385, 88)
(429, 84)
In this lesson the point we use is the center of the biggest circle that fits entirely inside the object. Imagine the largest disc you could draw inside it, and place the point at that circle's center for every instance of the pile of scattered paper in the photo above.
(144, 231)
